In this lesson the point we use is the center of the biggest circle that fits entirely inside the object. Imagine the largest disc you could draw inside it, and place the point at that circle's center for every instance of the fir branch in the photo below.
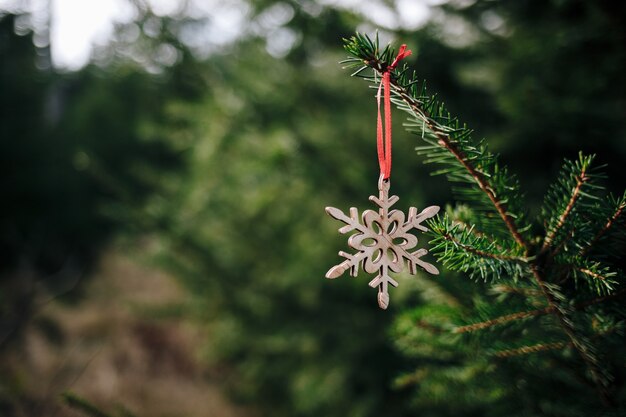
(621, 205)
(574, 190)
(463, 250)
(580, 180)
(533, 313)
(592, 274)
(481, 180)
(527, 350)
(502, 320)
(598, 276)
(480, 253)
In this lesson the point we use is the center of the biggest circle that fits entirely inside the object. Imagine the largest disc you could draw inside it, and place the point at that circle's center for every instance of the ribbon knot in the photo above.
(384, 142)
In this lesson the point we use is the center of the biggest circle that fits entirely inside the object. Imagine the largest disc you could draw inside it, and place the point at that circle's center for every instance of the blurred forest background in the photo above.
(163, 241)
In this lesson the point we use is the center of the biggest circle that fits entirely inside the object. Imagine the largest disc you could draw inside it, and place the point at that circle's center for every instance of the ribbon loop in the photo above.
(383, 143)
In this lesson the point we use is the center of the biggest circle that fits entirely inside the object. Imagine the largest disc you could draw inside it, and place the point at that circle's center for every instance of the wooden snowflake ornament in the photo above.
(383, 241)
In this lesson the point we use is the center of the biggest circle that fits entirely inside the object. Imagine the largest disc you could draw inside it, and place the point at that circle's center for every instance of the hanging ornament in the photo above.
(382, 240)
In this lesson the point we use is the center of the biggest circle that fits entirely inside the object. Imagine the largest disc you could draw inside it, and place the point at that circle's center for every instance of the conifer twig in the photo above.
(580, 180)
(444, 140)
(482, 253)
(527, 350)
(610, 222)
(502, 319)
(591, 273)
(533, 313)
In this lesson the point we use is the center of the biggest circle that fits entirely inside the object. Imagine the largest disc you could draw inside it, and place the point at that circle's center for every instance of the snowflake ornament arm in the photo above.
(382, 241)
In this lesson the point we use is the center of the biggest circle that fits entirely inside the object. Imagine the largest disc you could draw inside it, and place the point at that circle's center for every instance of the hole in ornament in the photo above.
(368, 242)
(377, 228)
(399, 241)
(391, 255)
(377, 255)
(392, 227)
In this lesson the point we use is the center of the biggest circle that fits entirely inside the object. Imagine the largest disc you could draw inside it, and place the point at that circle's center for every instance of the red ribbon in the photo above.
(384, 144)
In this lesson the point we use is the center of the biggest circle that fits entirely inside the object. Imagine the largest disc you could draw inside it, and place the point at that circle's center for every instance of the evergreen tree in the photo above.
(546, 309)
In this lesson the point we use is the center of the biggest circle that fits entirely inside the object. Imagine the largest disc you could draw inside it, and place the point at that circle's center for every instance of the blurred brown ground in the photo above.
(113, 350)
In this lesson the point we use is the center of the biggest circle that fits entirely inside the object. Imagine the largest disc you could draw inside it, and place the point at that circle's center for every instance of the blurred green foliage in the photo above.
(78, 151)
(225, 163)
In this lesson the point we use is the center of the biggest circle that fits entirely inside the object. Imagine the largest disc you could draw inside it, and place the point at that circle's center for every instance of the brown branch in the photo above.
(610, 222)
(533, 313)
(580, 180)
(481, 253)
(444, 140)
(502, 319)
(591, 273)
(527, 350)
(571, 267)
